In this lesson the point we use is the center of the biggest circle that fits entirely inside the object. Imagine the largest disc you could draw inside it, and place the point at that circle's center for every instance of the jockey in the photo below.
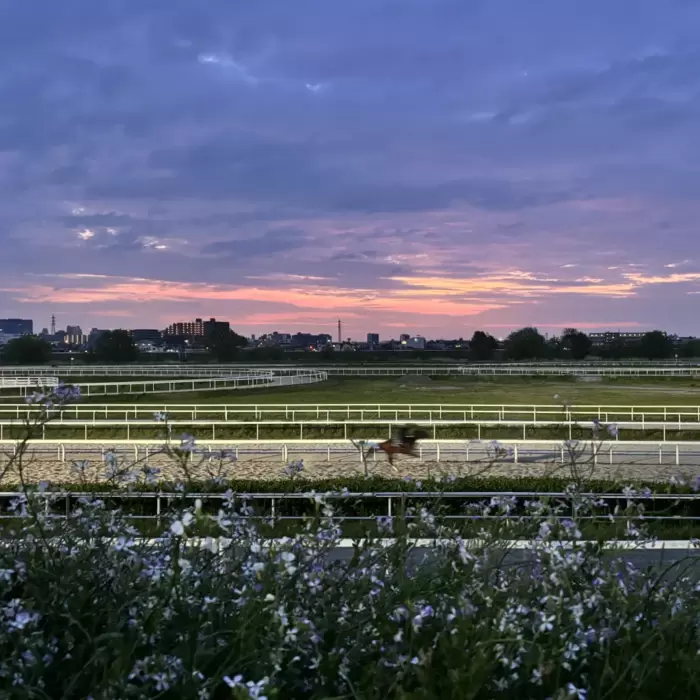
(398, 438)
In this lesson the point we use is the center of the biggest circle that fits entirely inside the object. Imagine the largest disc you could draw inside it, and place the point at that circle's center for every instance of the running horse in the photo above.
(403, 442)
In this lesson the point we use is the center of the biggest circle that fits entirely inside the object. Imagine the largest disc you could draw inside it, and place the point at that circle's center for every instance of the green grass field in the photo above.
(641, 391)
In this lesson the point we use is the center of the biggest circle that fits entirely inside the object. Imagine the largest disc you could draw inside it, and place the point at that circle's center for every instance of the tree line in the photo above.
(524, 344)
(113, 347)
(529, 344)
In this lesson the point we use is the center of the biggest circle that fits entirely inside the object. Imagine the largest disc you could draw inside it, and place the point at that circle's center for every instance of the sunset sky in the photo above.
(427, 166)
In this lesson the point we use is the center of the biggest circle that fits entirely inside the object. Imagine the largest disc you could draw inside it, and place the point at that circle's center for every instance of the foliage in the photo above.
(656, 345)
(576, 344)
(115, 346)
(689, 348)
(526, 344)
(26, 350)
(224, 344)
(482, 346)
(376, 484)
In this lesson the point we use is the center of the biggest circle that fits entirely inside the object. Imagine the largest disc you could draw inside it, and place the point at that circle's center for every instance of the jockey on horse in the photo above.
(403, 442)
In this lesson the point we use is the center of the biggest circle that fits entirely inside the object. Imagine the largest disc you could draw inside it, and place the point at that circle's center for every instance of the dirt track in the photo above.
(47, 467)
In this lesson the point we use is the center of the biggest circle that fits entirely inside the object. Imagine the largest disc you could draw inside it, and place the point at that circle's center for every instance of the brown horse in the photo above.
(402, 442)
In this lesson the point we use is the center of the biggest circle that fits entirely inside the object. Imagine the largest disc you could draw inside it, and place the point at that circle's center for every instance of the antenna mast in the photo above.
(53, 325)
(340, 331)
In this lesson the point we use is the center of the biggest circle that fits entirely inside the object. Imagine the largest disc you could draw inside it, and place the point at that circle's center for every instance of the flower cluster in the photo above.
(239, 612)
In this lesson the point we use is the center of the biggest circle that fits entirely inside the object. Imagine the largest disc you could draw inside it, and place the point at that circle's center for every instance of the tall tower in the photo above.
(340, 331)
(53, 325)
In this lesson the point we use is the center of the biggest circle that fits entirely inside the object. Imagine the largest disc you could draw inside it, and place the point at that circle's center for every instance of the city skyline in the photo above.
(434, 168)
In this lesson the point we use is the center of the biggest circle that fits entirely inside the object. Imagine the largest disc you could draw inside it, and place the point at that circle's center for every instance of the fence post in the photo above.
(677, 456)
(285, 453)
(438, 452)
(136, 452)
(515, 454)
(389, 506)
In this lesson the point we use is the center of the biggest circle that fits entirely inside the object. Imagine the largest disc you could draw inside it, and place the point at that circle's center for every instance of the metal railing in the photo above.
(241, 379)
(389, 504)
(13, 382)
(672, 453)
(364, 412)
(132, 428)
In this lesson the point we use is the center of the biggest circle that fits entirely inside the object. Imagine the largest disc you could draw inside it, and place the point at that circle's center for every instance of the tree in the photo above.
(576, 344)
(224, 344)
(655, 345)
(328, 352)
(526, 344)
(26, 350)
(482, 346)
(115, 346)
(689, 348)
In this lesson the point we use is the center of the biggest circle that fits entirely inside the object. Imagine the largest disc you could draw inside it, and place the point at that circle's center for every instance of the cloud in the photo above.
(271, 242)
(456, 160)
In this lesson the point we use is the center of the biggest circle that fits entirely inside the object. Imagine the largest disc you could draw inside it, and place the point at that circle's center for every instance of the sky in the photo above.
(421, 166)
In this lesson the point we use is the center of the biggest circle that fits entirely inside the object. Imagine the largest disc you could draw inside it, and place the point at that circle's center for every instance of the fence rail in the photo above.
(363, 412)
(505, 369)
(13, 382)
(347, 429)
(240, 379)
(389, 504)
(649, 452)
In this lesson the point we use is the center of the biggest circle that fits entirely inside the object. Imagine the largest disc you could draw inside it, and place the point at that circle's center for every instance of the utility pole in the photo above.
(340, 331)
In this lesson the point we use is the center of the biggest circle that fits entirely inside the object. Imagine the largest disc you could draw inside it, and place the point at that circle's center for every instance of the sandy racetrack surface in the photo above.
(90, 466)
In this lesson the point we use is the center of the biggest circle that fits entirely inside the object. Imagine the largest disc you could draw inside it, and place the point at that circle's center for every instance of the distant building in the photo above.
(196, 328)
(404, 337)
(599, 340)
(417, 342)
(310, 341)
(7, 337)
(140, 335)
(185, 328)
(74, 330)
(275, 338)
(74, 339)
(16, 326)
(373, 339)
(212, 325)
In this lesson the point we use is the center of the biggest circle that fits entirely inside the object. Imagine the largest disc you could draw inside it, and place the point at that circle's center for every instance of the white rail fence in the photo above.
(133, 427)
(531, 413)
(672, 453)
(505, 369)
(34, 382)
(242, 379)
